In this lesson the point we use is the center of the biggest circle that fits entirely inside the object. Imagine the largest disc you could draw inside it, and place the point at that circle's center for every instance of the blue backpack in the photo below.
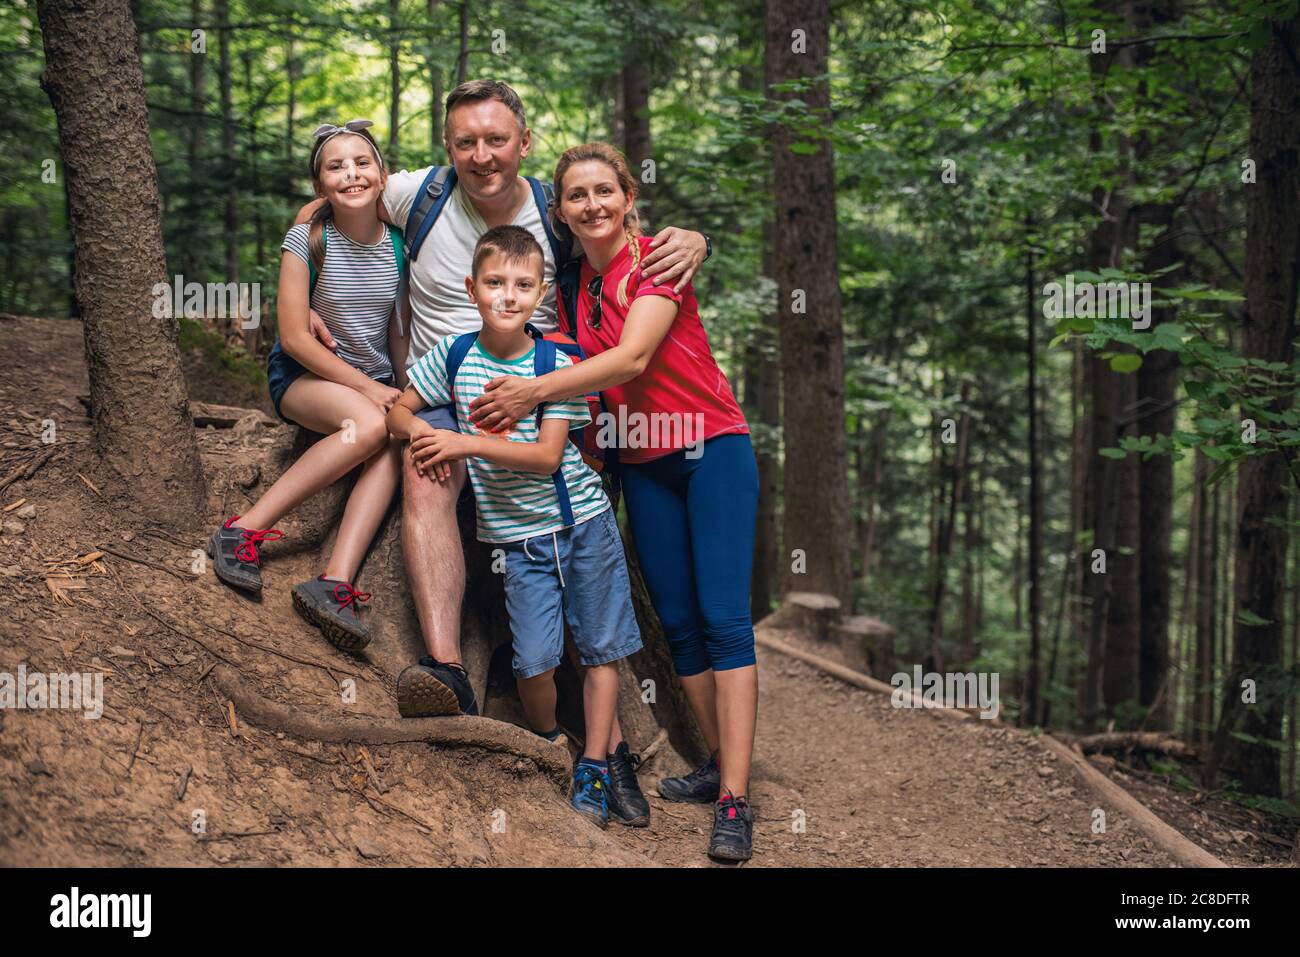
(432, 197)
(543, 362)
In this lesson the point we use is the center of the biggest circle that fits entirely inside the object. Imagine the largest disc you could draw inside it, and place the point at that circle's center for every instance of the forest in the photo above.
(1007, 292)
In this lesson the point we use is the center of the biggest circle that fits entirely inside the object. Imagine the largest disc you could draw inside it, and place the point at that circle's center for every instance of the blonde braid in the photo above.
(635, 245)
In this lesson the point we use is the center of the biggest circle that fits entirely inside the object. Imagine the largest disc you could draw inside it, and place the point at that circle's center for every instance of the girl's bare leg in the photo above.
(354, 429)
(366, 508)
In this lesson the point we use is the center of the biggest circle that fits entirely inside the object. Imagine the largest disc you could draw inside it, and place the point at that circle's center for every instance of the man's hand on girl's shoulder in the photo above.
(675, 254)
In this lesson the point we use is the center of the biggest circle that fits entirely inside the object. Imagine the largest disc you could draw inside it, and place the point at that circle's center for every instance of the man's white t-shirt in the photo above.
(440, 306)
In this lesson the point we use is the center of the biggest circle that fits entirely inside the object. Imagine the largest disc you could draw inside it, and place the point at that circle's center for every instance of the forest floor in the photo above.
(841, 778)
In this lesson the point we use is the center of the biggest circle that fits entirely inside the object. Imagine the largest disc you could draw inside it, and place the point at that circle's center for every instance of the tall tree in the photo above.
(142, 429)
(1268, 335)
(230, 232)
(394, 83)
(817, 516)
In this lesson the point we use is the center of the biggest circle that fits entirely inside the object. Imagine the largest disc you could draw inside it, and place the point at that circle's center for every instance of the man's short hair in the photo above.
(515, 243)
(475, 91)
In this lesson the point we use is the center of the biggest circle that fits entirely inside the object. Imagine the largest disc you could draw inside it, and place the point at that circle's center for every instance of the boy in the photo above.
(554, 572)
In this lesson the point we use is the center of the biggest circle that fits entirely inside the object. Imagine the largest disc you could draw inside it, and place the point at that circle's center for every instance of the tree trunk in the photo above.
(1033, 703)
(636, 143)
(394, 84)
(1157, 380)
(462, 57)
(194, 155)
(221, 10)
(763, 411)
(947, 526)
(1268, 334)
(435, 88)
(817, 515)
(142, 430)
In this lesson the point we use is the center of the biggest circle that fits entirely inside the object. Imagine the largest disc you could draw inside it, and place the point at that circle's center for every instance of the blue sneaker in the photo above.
(589, 796)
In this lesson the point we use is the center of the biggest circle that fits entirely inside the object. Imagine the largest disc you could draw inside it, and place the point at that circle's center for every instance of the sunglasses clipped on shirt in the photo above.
(593, 290)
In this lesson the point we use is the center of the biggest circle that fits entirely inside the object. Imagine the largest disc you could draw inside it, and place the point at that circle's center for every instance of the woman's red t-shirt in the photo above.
(682, 378)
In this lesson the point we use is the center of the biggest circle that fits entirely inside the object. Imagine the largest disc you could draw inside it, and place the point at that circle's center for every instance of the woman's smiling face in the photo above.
(349, 173)
(592, 202)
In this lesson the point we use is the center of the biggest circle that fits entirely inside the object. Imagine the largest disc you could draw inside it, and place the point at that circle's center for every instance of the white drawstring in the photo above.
(555, 544)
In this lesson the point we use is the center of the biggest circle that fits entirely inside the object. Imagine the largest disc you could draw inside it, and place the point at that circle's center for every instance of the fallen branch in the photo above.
(463, 731)
(1162, 835)
(24, 472)
(1166, 838)
(647, 754)
(1132, 741)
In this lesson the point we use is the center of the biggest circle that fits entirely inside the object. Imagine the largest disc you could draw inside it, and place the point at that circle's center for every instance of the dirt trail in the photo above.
(840, 779)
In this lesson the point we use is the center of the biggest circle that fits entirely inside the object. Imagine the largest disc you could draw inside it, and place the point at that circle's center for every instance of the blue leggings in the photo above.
(693, 521)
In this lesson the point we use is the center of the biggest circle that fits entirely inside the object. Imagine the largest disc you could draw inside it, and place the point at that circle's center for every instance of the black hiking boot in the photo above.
(627, 804)
(322, 601)
(733, 829)
(701, 786)
(235, 558)
(434, 688)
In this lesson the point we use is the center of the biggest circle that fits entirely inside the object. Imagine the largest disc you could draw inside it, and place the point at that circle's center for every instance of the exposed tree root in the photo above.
(463, 731)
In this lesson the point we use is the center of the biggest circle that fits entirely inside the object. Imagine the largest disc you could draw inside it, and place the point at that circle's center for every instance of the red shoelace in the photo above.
(246, 551)
(350, 597)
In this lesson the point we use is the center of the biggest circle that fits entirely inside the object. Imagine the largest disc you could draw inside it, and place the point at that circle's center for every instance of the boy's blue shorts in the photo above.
(578, 575)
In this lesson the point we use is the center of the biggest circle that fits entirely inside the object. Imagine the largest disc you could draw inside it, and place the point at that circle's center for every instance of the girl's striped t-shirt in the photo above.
(512, 505)
(354, 295)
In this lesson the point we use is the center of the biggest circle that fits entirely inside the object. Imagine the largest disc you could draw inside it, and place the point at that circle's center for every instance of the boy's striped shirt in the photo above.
(512, 505)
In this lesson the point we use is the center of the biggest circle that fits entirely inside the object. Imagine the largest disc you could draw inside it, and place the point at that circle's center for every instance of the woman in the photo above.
(691, 492)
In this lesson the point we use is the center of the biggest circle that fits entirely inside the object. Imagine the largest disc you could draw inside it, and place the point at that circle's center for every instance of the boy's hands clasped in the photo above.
(433, 450)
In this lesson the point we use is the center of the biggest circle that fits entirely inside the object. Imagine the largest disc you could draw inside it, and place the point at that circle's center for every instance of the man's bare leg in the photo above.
(435, 562)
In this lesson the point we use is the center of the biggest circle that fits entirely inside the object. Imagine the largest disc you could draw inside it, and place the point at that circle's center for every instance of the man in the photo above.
(486, 137)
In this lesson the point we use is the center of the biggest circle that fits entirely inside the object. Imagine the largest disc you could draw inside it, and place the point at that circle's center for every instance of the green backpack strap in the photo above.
(311, 266)
(399, 250)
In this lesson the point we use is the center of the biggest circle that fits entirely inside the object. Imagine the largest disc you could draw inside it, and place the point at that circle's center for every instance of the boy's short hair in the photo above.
(515, 243)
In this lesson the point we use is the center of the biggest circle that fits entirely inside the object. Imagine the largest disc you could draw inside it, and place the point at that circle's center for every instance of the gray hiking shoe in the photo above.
(333, 607)
(234, 554)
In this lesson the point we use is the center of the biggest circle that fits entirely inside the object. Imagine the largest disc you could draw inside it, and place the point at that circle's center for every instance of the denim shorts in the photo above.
(439, 416)
(282, 370)
(579, 575)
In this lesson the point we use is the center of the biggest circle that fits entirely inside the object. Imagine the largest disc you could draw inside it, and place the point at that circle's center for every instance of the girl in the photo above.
(691, 492)
(347, 266)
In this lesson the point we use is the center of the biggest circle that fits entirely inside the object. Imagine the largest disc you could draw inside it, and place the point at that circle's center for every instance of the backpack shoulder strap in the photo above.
(544, 197)
(455, 356)
(429, 201)
(313, 272)
(544, 353)
(399, 253)
(567, 267)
